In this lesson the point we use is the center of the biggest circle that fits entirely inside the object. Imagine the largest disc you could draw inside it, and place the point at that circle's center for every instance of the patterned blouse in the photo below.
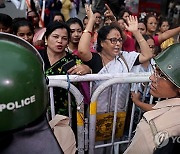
(60, 94)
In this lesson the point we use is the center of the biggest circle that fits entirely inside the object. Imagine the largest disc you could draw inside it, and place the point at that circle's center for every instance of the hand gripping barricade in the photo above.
(23, 100)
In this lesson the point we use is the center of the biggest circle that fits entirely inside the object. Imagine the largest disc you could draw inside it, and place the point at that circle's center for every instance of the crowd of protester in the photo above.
(102, 43)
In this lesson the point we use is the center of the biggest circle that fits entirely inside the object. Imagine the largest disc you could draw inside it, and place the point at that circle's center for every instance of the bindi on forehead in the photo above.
(114, 33)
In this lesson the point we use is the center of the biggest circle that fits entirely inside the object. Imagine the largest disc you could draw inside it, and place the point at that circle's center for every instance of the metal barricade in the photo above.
(93, 110)
(80, 109)
(61, 81)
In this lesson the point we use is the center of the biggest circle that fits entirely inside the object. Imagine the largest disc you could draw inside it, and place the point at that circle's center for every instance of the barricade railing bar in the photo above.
(137, 77)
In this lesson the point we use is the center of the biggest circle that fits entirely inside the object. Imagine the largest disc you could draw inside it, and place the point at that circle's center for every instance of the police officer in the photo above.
(23, 100)
(159, 129)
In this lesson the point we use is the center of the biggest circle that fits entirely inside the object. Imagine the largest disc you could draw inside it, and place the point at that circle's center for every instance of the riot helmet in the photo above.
(168, 62)
(23, 89)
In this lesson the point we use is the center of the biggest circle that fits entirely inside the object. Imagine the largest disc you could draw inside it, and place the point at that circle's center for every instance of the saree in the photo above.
(106, 100)
(117, 65)
(60, 94)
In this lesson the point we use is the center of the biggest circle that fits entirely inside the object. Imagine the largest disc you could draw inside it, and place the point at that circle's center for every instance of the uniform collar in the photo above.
(161, 107)
(167, 103)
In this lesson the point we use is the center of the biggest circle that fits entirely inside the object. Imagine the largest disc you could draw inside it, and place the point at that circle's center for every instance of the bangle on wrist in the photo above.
(87, 31)
(141, 40)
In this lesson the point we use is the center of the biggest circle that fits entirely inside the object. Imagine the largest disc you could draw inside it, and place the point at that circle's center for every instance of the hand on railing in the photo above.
(136, 97)
(79, 69)
(137, 101)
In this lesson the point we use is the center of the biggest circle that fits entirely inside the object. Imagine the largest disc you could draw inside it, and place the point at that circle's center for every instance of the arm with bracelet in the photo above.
(84, 43)
(87, 31)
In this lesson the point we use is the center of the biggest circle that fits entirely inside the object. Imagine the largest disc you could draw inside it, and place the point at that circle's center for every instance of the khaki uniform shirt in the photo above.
(166, 118)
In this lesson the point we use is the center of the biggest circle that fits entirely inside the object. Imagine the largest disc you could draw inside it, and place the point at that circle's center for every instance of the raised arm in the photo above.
(84, 43)
(168, 34)
(146, 52)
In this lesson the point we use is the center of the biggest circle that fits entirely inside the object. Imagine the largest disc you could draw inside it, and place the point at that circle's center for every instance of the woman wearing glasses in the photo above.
(109, 58)
(158, 129)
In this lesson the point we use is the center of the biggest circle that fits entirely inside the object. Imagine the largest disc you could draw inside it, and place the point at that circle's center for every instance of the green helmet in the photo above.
(168, 62)
(23, 89)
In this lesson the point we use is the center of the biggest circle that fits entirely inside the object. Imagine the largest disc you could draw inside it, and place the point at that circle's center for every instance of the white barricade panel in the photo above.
(105, 124)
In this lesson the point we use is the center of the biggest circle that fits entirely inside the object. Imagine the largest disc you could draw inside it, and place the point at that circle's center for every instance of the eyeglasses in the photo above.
(158, 74)
(115, 40)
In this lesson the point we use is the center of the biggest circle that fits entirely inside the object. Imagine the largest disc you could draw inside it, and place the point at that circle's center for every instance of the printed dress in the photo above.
(61, 95)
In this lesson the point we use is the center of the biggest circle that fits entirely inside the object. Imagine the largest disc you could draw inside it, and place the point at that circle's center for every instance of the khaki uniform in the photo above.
(164, 119)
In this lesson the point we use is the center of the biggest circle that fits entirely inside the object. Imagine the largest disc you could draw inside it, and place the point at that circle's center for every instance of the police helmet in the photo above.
(23, 89)
(168, 62)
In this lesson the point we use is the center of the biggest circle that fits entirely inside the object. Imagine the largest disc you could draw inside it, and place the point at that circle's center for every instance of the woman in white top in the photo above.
(109, 57)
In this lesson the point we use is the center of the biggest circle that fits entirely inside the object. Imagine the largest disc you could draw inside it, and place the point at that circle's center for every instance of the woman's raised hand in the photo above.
(108, 13)
(89, 12)
(132, 22)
